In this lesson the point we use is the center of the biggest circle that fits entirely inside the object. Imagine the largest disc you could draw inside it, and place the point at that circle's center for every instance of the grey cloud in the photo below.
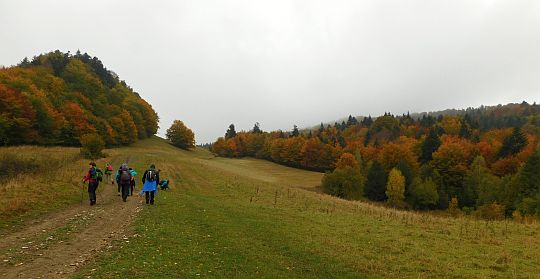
(212, 63)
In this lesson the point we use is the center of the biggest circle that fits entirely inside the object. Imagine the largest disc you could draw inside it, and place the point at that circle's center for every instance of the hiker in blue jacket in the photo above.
(150, 181)
(164, 184)
(132, 183)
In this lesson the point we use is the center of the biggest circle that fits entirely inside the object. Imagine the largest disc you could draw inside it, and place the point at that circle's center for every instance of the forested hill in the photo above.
(485, 117)
(488, 156)
(57, 97)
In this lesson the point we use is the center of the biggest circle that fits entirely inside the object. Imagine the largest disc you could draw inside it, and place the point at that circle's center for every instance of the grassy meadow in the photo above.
(237, 218)
(36, 180)
(39, 180)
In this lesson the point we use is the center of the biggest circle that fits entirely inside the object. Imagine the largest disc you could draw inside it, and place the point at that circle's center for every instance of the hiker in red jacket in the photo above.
(93, 176)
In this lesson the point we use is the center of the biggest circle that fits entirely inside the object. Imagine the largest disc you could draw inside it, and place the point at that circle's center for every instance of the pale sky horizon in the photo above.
(281, 63)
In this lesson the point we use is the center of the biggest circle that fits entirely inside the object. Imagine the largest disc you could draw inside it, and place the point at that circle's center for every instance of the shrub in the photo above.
(492, 211)
(530, 206)
(344, 183)
(453, 207)
(11, 165)
(92, 146)
(424, 194)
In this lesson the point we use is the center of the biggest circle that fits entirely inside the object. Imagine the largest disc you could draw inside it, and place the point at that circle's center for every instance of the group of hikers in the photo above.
(125, 179)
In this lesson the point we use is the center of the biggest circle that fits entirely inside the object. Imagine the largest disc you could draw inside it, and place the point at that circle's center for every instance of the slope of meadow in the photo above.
(236, 218)
(250, 218)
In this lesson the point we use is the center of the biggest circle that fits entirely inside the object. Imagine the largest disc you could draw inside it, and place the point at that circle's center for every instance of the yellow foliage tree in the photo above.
(180, 135)
(395, 188)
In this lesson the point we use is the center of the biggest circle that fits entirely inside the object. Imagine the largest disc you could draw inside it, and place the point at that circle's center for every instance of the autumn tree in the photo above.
(395, 188)
(16, 117)
(434, 155)
(58, 97)
(347, 160)
(220, 147)
(92, 146)
(180, 135)
(451, 125)
(254, 143)
(318, 155)
(451, 161)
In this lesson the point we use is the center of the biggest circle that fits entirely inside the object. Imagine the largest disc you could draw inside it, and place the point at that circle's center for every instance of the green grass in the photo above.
(248, 218)
(53, 183)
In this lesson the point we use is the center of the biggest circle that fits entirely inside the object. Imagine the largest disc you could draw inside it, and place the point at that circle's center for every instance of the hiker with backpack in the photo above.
(164, 184)
(123, 179)
(150, 180)
(93, 177)
(108, 172)
(118, 180)
(132, 183)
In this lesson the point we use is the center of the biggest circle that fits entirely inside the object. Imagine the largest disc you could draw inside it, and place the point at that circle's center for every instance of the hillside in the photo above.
(490, 116)
(483, 161)
(251, 218)
(57, 97)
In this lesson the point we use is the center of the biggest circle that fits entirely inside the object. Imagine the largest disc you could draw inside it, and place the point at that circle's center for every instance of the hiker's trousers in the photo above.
(92, 187)
(149, 196)
(132, 187)
(125, 191)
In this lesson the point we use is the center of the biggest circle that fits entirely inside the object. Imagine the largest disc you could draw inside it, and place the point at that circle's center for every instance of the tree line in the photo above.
(485, 160)
(56, 98)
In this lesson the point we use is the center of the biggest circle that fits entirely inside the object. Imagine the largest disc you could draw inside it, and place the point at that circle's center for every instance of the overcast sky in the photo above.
(280, 63)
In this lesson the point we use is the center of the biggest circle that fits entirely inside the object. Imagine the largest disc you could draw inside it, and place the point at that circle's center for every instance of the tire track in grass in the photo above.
(57, 245)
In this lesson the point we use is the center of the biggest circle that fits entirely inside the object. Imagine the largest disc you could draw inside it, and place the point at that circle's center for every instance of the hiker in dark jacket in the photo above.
(123, 178)
(150, 180)
(118, 179)
(92, 177)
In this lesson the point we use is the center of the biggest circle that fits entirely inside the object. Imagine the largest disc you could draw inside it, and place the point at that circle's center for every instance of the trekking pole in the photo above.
(82, 193)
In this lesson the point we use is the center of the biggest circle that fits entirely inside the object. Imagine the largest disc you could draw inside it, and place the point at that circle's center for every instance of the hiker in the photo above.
(93, 176)
(118, 180)
(150, 180)
(164, 184)
(123, 179)
(108, 172)
(132, 183)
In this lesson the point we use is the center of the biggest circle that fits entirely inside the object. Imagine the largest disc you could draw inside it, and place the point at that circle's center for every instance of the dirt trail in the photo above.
(56, 245)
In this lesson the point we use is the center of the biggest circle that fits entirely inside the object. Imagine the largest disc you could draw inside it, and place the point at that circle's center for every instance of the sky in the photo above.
(285, 63)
